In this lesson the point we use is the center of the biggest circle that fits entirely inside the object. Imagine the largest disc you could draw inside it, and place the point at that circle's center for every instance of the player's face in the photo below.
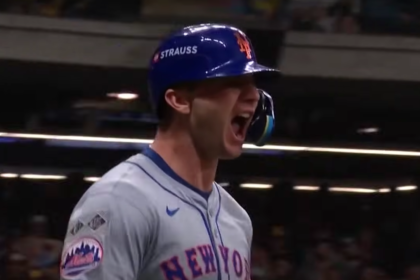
(221, 113)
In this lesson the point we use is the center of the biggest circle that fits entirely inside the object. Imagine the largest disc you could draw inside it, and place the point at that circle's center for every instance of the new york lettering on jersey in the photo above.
(200, 261)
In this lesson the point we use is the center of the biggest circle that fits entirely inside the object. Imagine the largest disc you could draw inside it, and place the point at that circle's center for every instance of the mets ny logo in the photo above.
(244, 46)
(81, 256)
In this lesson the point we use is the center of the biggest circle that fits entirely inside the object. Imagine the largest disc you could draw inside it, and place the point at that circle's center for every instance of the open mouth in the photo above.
(240, 125)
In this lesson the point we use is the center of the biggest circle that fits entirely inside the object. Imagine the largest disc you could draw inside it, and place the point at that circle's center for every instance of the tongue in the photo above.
(236, 128)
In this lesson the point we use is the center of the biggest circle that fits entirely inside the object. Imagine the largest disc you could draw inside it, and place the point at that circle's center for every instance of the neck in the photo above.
(179, 152)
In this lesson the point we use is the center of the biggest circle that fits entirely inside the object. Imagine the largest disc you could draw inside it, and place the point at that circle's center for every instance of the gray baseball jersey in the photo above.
(142, 221)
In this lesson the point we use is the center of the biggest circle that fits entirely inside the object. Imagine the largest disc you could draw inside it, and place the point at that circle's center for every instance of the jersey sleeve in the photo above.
(108, 237)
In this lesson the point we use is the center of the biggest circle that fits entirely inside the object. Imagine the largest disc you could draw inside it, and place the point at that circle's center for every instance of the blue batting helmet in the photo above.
(207, 51)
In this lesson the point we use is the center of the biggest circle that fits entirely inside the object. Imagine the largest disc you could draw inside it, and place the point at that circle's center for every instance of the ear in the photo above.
(178, 100)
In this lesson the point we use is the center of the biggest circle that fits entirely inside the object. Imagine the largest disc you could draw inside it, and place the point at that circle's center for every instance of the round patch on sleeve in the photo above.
(81, 256)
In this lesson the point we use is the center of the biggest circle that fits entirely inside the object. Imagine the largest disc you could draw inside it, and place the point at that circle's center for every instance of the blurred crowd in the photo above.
(342, 16)
(328, 240)
(33, 218)
(324, 256)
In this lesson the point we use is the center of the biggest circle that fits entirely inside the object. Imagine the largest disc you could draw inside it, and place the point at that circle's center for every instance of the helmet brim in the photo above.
(261, 72)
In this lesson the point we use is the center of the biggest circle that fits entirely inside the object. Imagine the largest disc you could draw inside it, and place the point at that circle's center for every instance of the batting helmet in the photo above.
(207, 51)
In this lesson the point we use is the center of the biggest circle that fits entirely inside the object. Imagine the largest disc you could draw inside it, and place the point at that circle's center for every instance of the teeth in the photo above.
(245, 115)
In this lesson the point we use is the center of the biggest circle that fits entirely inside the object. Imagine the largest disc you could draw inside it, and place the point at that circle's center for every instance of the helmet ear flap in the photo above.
(262, 124)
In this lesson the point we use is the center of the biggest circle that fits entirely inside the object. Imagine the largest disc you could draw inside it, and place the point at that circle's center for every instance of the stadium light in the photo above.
(352, 190)
(406, 188)
(9, 175)
(34, 176)
(306, 188)
(255, 186)
(63, 139)
(368, 130)
(91, 179)
(42, 177)
(124, 95)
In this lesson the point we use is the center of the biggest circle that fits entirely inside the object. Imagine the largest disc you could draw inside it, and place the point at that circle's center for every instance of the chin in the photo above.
(231, 153)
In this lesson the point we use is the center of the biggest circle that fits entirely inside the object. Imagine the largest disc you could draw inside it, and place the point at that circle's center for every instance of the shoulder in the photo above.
(125, 183)
(124, 190)
(117, 207)
(111, 214)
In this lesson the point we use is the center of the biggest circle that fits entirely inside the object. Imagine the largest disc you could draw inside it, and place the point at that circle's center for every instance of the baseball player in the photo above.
(159, 215)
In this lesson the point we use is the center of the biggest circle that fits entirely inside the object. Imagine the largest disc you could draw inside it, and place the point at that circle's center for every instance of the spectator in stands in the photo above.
(264, 8)
(17, 267)
(283, 269)
(412, 272)
(33, 7)
(390, 16)
(373, 272)
(278, 242)
(325, 15)
(41, 252)
(346, 14)
(352, 261)
(3, 246)
(308, 15)
(321, 263)
(260, 263)
(367, 242)
(124, 10)
(50, 8)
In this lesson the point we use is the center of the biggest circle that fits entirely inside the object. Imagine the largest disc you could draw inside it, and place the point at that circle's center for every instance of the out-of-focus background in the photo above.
(333, 198)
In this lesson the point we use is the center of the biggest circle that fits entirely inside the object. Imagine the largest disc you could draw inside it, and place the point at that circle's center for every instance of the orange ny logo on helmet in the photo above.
(244, 46)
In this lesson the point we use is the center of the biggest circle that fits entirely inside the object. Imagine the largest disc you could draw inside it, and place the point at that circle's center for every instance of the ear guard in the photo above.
(262, 124)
